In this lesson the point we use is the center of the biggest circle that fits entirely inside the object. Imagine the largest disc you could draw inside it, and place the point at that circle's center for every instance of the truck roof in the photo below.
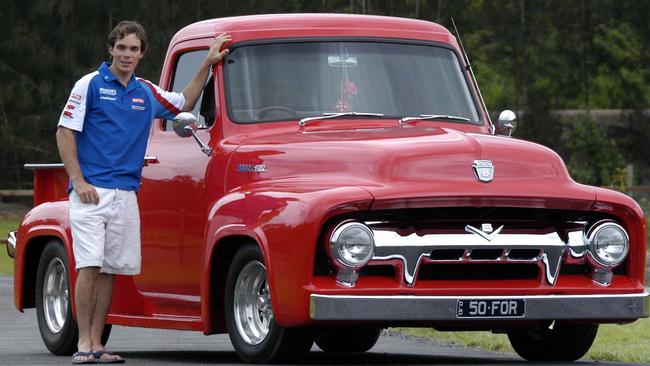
(315, 25)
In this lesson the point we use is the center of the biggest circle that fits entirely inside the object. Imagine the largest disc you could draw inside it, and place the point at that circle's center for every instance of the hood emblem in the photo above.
(483, 170)
(485, 232)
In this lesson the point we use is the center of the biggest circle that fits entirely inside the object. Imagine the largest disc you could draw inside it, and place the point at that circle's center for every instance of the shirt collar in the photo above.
(108, 76)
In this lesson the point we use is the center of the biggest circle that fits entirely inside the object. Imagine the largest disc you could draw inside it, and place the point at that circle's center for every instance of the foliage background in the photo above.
(557, 63)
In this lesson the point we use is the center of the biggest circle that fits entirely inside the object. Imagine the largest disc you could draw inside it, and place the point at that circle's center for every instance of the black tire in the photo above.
(62, 338)
(280, 343)
(347, 339)
(559, 342)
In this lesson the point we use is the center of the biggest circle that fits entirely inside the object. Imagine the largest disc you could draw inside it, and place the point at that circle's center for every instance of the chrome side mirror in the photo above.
(506, 124)
(185, 125)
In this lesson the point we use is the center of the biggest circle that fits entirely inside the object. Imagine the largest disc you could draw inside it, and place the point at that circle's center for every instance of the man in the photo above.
(102, 136)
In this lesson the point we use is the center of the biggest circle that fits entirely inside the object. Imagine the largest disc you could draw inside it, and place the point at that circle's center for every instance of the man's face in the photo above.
(126, 53)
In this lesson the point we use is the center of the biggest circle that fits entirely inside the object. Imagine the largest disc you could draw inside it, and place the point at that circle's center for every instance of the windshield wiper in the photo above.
(422, 117)
(304, 121)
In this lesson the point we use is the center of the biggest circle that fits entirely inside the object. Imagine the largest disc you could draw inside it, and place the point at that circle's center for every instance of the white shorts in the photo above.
(107, 235)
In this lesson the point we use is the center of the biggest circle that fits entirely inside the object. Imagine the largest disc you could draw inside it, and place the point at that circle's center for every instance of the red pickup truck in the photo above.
(344, 176)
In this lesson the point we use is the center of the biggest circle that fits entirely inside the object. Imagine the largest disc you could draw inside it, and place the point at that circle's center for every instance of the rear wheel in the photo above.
(348, 339)
(553, 342)
(249, 314)
(53, 307)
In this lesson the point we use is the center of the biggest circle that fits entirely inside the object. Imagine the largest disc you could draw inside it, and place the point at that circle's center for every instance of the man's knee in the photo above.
(105, 278)
(88, 274)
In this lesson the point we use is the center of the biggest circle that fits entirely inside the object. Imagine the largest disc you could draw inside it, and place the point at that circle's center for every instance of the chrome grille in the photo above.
(546, 249)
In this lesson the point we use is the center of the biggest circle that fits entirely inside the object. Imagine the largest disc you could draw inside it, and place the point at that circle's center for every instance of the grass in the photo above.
(620, 343)
(7, 224)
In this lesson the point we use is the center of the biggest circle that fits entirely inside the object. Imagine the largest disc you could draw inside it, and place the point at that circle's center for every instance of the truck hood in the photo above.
(404, 165)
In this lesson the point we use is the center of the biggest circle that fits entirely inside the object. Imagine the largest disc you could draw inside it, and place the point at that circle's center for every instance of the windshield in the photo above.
(285, 81)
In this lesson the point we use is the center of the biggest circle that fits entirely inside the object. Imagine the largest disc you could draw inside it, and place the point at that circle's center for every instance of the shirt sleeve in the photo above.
(165, 104)
(74, 112)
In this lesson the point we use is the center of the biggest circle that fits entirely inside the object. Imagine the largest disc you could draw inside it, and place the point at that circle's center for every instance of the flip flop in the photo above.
(98, 357)
(88, 359)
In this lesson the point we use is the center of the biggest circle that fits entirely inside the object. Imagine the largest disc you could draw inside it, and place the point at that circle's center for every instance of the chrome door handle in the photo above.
(150, 159)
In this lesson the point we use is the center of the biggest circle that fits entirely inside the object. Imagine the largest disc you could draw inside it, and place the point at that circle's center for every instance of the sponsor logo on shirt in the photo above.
(137, 100)
(67, 114)
(138, 107)
(74, 102)
(107, 98)
(106, 91)
(70, 107)
(75, 96)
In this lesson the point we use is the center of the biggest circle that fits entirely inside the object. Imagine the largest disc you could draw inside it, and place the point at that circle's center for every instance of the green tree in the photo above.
(532, 56)
(621, 82)
(593, 157)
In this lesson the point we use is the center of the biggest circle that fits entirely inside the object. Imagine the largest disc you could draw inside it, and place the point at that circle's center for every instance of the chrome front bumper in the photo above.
(11, 244)
(443, 308)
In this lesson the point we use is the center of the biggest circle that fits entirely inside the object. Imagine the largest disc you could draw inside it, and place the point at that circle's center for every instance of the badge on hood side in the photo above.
(483, 170)
(251, 168)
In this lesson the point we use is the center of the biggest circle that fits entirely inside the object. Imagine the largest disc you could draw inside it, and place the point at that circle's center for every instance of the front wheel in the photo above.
(553, 342)
(253, 332)
(53, 306)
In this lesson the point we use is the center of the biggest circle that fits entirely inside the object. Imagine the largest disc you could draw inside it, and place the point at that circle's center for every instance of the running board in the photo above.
(164, 322)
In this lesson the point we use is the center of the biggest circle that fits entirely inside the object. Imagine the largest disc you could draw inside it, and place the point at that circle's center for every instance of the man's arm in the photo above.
(65, 141)
(193, 90)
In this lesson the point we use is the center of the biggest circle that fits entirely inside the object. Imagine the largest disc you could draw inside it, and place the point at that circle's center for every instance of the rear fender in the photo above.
(43, 223)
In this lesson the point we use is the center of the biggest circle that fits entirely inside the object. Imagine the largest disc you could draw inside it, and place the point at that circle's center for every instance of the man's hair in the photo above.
(126, 27)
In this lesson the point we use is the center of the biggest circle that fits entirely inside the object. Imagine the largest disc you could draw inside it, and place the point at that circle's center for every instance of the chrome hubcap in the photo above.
(55, 295)
(252, 303)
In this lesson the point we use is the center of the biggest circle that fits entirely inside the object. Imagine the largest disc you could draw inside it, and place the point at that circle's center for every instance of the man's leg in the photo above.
(85, 300)
(103, 302)
(104, 296)
(121, 256)
(88, 244)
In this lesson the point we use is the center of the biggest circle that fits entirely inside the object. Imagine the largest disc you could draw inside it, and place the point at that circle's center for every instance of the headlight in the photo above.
(352, 245)
(609, 243)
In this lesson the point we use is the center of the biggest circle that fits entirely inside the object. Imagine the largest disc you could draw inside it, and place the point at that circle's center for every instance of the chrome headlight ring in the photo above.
(609, 244)
(351, 245)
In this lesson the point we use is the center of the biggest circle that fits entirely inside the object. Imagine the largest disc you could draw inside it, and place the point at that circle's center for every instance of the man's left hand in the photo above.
(216, 54)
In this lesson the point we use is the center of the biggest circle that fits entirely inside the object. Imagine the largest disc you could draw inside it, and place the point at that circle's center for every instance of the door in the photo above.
(173, 207)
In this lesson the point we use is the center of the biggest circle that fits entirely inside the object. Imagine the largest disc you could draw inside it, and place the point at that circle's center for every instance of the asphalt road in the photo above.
(20, 344)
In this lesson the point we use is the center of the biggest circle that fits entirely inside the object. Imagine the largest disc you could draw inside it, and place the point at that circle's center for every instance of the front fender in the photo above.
(285, 224)
(632, 217)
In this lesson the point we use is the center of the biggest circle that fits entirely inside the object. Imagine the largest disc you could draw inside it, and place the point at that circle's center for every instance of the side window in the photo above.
(186, 67)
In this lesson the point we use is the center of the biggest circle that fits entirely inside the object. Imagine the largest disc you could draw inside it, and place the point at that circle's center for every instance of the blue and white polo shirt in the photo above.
(113, 124)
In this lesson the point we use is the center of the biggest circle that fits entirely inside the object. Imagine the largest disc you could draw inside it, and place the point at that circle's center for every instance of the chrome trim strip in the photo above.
(443, 308)
(44, 166)
(11, 244)
(413, 248)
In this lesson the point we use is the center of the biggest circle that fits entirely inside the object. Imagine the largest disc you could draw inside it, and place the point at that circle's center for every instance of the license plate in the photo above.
(470, 308)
